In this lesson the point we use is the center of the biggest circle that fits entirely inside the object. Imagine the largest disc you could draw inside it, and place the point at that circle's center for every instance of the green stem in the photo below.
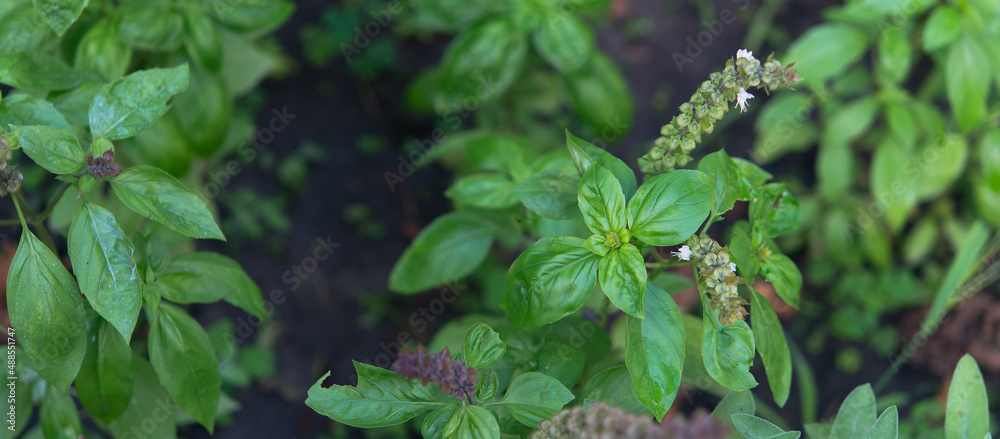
(45, 213)
(52, 203)
(20, 215)
(43, 233)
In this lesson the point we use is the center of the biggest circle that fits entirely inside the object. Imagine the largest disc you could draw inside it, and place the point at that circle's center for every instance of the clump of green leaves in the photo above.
(514, 63)
(589, 240)
(907, 157)
(92, 83)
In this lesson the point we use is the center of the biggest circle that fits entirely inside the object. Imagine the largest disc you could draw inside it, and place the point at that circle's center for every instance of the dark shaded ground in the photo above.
(321, 323)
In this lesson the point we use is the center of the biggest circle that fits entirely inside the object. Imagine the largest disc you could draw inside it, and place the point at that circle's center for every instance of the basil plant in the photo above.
(587, 312)
(98, 94)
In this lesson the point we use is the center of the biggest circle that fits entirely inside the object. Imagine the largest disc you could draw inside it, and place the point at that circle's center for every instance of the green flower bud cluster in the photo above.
(718, 278)
(602, 421)
(10, 178)
(708, 105)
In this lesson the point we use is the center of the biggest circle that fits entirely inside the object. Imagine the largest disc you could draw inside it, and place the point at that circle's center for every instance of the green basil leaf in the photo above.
(551, 194)
(744, 254)
(817, 431)
(487, 386)
(451, 15)
(152, 26)
(206, 277)
(777, 136)
(825, 51)
(654, 352)
(23, 29)
(669, 208)
(434, 423)
(532, 397)
(552, 279)
(244, 64)
(989, 158)
(488, 191)
(60, 14)
(753, 176)
(600, 95)
(895, 55)
(483, 61)
(149, 401)
(614, 386)
(184, 360)
(733, 403)
(968, 414)
(727, 351)
(728, 181)
(886, 426)
(483, 347)
(598, 244)
(449, 248)
(133, 103)
(601, 200)
(753, 427)
(933, 179)
(55, 149)
(584, 153)
(895, 186)
(850, 121)
(46, 311)
(202, 41)
(27, 109)
(203, 113)
(559, 359)
(58, 416)
(381, 399)
(967, 75)
(835, 167)
(156, 195)
(962, 267)
(774, 210)
(257, 16)
(773, 348)
(564, 41)
(163, 145)
(472, 422)
(101, 51)
(943, 27)
(104, 384)
(622, 273)
(37, 72)
(856, 415)
(103, 263)
(781, 272)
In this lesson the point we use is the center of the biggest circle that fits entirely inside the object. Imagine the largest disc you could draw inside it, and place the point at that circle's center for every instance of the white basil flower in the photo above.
(742, 98)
